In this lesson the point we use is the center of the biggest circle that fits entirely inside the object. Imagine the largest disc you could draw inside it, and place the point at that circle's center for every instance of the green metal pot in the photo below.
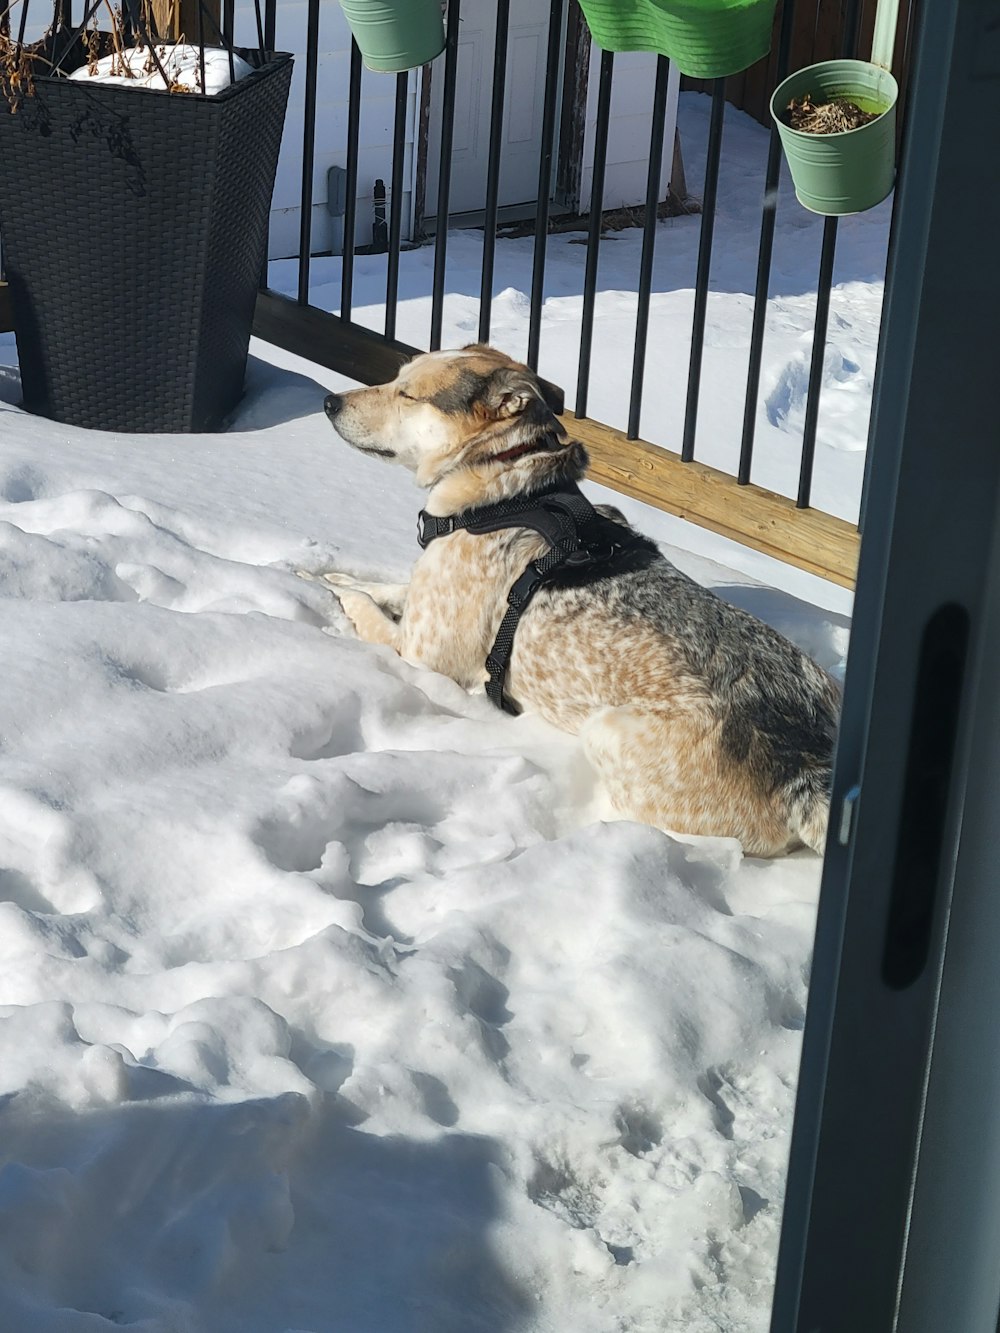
(395, 35)
(706, 39)
(835, 174)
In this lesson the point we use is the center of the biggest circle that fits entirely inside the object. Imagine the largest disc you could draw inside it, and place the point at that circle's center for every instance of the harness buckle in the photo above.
(523, 587)
(430, 526)
(596, 552)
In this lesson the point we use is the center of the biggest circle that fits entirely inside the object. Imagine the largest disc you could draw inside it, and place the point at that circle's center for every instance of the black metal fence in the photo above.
(370, 356)
(366, 358)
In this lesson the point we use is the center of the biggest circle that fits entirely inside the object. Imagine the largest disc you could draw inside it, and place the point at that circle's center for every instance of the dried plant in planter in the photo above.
(831, 117)
(17, 64)
(128, 50)
(134, 220)
(16, 81)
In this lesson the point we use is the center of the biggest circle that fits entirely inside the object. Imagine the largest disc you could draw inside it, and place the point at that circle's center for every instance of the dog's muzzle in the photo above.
(332, 405)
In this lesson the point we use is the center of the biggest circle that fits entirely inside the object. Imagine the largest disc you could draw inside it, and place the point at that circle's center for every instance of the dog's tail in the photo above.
(809, 806)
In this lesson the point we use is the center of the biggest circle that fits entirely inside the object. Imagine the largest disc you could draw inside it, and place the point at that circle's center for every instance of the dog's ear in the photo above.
(552, 396)
(512, 390)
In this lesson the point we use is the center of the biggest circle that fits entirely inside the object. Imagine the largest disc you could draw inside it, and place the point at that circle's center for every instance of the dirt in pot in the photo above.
(831, 117)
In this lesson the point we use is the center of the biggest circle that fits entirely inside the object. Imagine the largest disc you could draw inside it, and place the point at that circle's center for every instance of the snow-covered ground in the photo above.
(327, 1001)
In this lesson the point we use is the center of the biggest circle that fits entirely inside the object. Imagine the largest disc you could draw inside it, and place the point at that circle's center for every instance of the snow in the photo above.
(330, 998)
(136, 68)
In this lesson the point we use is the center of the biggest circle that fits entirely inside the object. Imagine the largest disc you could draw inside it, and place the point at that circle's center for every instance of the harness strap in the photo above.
(549, 512)
(498, 658)
(578, 537)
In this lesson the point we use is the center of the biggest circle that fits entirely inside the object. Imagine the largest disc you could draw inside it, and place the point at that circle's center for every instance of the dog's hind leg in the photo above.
(634, 751)
(662, 767)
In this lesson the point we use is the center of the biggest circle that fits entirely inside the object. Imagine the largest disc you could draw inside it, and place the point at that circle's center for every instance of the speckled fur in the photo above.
(697, 717)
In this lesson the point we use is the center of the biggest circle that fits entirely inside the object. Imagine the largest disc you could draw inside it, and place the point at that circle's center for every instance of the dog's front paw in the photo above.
(333, 578)
(338, 580)
(354, 603)
(369, 620)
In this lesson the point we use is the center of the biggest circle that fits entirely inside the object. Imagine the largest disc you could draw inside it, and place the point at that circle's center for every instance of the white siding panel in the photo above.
(375, 138)
(625, 182)
(628, 132)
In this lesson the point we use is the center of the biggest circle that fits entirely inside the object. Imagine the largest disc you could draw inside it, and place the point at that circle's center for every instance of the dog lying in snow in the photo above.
(697, 717)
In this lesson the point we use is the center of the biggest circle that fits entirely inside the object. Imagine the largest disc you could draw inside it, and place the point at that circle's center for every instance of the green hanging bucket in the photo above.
(396, 35)
(850, 170)
(706, 39)
(846, 172)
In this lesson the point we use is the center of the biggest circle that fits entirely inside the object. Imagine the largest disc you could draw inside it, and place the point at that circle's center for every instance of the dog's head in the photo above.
(470, 409)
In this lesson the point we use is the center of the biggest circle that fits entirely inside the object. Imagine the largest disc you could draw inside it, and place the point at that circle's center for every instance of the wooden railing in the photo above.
(749, 514)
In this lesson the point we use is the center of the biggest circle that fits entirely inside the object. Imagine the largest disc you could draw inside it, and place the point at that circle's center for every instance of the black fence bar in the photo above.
(594, 230)
(308, 149)
(493, 170)
(704, 267)
(90, 8)
(200, 24)
(266, 42)
(824, 283)
(852, 24)
(396, 204)
(764, 253)
(650, 219)
(228, 23)
(259, 17)
(444, 173)
(544, 181)
(351, 184)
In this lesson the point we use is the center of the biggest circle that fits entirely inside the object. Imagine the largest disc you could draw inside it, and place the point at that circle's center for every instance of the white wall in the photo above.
(625, 175)
(378, 92)
(628, 133)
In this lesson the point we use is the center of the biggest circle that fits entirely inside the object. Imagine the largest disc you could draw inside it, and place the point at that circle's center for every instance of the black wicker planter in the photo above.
(134, 227)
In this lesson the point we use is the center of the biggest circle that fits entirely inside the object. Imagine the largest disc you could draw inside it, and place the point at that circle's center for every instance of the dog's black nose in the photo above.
(332, 404)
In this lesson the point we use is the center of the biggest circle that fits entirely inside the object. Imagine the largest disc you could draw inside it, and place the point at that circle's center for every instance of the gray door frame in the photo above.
(892, 1214)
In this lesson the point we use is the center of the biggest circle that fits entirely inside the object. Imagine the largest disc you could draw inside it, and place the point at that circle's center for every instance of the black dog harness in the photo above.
(584, 546)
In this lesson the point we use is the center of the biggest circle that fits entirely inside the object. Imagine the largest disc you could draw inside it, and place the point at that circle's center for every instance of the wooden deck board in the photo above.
(771, 523)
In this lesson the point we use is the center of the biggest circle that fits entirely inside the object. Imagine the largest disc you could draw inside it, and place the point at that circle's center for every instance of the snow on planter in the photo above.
(137, 68)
